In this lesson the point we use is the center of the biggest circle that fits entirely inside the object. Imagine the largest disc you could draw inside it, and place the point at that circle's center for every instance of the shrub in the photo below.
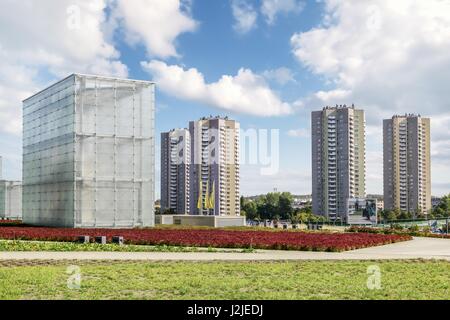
(396, 226)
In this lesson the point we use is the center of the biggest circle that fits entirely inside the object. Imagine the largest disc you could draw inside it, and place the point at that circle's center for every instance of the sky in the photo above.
(264, 63)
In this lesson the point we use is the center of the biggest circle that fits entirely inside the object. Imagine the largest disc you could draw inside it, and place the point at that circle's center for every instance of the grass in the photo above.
(227, 280)
(30, 246)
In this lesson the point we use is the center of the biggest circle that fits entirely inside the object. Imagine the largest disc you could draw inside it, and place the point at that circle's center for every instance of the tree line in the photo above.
(440, 211)
(277, 206)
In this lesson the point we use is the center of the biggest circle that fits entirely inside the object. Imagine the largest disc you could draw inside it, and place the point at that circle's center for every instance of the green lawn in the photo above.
(227, 280)
(18, 245)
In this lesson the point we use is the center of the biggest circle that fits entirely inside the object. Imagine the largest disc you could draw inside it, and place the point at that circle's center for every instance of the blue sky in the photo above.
(265, 63)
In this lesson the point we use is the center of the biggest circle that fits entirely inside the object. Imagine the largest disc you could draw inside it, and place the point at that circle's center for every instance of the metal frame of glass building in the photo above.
(88, 153)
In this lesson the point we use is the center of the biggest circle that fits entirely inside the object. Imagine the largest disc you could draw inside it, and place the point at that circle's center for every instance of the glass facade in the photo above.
(10, 200)
(88, 154)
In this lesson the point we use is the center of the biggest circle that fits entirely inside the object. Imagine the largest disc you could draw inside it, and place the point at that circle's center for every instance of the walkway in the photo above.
(419, 248)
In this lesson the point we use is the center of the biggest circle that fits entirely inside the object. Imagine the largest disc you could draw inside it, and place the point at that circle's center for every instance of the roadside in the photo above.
(418, 248)
(51, 246)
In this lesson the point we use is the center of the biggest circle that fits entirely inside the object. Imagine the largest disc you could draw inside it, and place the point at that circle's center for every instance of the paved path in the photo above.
(419, 248)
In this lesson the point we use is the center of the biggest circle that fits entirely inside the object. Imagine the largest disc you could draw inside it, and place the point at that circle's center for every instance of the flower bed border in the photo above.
(217, 238)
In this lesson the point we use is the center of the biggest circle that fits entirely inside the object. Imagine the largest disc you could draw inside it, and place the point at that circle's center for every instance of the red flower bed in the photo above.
(213, 238)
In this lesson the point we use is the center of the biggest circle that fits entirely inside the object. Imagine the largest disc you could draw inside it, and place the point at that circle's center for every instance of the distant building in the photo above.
(301, 202)
(379, 198)
(435, 201)
(338, 159)
(380, 205)
(175, 167)
(215, 167)
(88, 153)
(10, 198)
(407, 168)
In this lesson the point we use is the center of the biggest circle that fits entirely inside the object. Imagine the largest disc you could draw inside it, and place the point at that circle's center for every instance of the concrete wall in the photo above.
(163, 219)
(203, 221)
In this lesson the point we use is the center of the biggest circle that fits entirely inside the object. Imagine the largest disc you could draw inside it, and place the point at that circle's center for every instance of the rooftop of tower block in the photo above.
(177, 129)
(211, 117)
(341, 106)
(407, 115)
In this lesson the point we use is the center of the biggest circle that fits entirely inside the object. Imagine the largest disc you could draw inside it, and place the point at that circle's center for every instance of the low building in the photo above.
(435, 201)
(201, 221)
(10, 200)
(380, 204)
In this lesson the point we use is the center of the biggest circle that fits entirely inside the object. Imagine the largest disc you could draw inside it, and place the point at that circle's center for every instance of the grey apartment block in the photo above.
(407, 167)
(338, 159)
(175, 169)
(215, 170)
(88, 153)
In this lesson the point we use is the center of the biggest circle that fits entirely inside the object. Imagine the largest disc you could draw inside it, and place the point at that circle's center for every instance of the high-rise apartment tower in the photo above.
(215, 167)
(175, 171)
(407, 169)
(338, 159)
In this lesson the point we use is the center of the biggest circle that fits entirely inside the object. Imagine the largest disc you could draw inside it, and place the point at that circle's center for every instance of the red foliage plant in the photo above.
(218, 238)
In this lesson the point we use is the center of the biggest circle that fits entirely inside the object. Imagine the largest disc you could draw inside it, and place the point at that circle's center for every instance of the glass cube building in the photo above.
(88, 154)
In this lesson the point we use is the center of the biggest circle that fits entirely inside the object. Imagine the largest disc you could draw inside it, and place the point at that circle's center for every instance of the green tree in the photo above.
(268, 206)
(170, 211)
(243, 201)
(438, 212)
(304, 217)
(442, 210)
(404, 215)
(391, 215)
(285, 209)
(251, 210)
(307, 209)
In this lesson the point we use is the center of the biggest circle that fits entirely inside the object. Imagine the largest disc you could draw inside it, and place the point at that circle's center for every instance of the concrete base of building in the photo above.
(205, 221)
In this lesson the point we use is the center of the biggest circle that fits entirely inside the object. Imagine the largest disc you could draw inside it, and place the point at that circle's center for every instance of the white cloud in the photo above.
(440, 132)
(15, 84)
(245, 92)
(299, 133)
(271, 8)
(281, 75)
(45, 40)
(244, 14)
(156, 24)
(390, 55)
(64, 36)
(387, 57)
